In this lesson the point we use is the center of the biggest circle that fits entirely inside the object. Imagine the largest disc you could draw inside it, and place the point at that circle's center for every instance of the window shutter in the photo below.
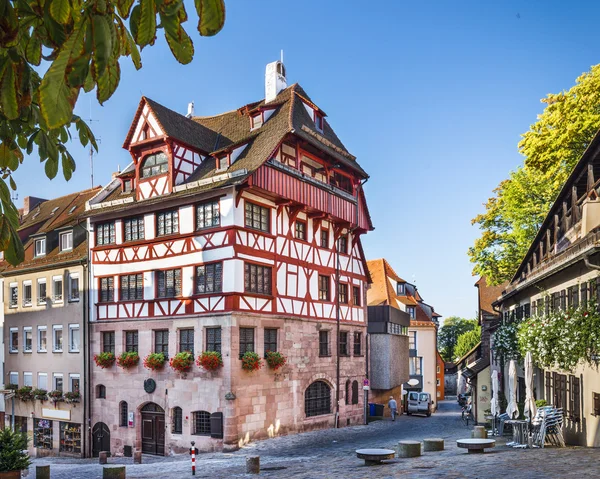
(216, 425)
(563, 300)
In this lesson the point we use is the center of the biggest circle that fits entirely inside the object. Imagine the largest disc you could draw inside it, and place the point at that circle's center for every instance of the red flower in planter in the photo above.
(251, 361)
(154, 361)
(128, 359)
(210, 360)
(275, 360)
(182, 362)
(104, 360)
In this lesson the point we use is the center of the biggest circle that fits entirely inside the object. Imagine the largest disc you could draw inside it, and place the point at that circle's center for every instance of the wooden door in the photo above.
(100, 438)
(153, 430)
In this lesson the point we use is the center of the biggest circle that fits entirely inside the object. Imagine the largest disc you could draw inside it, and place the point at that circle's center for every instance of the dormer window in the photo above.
(256, 120)
(65, 240)
(127, 186)
(319, 121)
(223, 163)
(411, 311)
(154, 165)
(40, 247)
(401, 289)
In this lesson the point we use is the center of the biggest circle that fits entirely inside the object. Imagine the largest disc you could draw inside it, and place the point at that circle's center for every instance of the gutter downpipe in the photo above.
(87, 402)
(588, 264)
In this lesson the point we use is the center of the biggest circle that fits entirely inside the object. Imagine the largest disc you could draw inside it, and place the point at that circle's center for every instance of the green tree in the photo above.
(449, 333)
(466, 342)
(551, 148)
(79, 45)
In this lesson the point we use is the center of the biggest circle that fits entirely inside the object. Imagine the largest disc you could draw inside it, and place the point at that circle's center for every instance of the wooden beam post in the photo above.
(590, 177)
(574, 209)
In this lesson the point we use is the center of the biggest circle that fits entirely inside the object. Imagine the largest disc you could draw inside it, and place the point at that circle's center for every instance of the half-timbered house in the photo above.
(234, 233)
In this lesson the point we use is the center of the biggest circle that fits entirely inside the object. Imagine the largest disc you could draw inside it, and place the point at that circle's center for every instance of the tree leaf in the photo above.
(135, 53)
(57, 99)
(134, 21)
(13, 185)
(147, 23)
(78, 71)
(8, 93)
(10, 156)
(51, 167)
(108, 82)
(33, 51)
(124, 7)
(15, 253)
(211, 15)
(179, 41)
(102, 40)
(60, 11)
(68, 164)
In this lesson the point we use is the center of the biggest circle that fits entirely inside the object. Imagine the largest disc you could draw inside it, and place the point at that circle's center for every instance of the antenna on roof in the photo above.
(92, 148)
(190, 112)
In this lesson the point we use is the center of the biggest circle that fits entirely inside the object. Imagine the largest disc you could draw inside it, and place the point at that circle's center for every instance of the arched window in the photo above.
(177, 420)
(347, 392)
(355, 392)
(201, 424)
(317, 399)
(153, 165)
(123, 414)
(101, 391)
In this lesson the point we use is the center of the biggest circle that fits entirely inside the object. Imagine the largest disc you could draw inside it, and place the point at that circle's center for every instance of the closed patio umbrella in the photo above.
(495, 407)
(530, 408)
(512, 409)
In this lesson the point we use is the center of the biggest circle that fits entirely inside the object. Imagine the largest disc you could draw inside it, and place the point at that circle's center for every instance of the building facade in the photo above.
(235, 233)
(440, 383)
(45, 324)
(559, 273)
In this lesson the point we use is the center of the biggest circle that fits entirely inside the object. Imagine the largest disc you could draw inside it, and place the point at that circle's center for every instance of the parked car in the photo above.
(419, 403)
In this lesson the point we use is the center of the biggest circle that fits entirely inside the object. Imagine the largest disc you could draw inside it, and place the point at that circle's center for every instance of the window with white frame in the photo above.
(14, 340)
(13, 292)
(41, 291)
(42, 382)
(42, 339)
(27, 293)
(27, 340)
(13, 378)
(65, 240)
(411, 311)
(57, 289)
(57, 381)
(40, 247)
(28, 379)
(73, 338)
(57, 338)
(74, 383)
(74, 287)
(401, 289)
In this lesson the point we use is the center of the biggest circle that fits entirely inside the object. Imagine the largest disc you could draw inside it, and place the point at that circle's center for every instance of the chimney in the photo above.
(30, 202)
(274, 80)
(190, 112)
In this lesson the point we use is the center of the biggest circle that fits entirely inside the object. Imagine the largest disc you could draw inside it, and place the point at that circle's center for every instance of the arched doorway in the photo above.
(100, 438)
(153, 429)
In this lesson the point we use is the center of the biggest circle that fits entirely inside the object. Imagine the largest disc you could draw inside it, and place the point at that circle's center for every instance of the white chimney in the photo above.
(190, 112)
(274, 80)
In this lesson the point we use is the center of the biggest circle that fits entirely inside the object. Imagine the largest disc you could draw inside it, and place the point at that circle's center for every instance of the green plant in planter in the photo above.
(56, 395)
(128, 359)
(275, 359)
(182, 361)
(13, 451)
(154, 361)
(40, 394)
(210, 360)
(12, 387)
(24, 393)
(251, 361)
(72, 396)
(104, 360)
(541, 403)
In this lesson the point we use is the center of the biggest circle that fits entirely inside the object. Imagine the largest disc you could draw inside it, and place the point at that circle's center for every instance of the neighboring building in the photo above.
(474, 368)
(389, 289)
(440, 378)
(45, 324)
(559, 271)
(227, 234)
(450, 379)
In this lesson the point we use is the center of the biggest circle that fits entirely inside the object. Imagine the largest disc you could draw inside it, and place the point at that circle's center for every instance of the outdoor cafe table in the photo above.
(520, 432)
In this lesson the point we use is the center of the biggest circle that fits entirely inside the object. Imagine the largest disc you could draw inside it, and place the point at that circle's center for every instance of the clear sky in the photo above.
(430, 96)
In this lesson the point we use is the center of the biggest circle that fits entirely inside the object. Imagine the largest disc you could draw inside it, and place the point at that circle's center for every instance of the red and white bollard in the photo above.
(193, 452)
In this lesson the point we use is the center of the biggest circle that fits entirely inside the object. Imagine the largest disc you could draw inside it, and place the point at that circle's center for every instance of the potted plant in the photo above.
(104, 360)
(275, 359)
(210, 360)
(128, 359)
(154, 361)
(251, 361)
(12, 387)
(24, 393)
(13, 454)
(72, 397)
(182, 361)
(40, 394)
(55, 396)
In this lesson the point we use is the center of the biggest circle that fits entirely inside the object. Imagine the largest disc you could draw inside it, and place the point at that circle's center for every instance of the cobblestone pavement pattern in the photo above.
(330, 454)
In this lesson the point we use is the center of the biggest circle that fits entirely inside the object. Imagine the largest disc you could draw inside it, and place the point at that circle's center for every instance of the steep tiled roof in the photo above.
(487, 295)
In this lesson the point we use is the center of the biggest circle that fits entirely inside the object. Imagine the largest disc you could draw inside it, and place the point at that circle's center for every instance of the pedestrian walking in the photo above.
(393, 407)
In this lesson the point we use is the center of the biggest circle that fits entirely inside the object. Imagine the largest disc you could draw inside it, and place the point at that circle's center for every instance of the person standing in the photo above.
(393, 407)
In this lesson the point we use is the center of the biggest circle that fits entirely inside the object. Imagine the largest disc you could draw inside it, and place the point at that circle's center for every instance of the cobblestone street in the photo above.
(330, 454)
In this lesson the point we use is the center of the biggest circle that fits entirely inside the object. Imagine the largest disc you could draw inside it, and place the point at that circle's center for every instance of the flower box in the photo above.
(40, 394)
(251, 361)
(104, 360)
(56, 395)
(72, 397)
(182, 362)
(128, 359)
(210, 360)
(24, 393)
(154, 361)
(275, 360)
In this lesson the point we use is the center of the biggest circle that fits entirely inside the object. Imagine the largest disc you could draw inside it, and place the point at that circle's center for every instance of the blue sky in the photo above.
(430, 96)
